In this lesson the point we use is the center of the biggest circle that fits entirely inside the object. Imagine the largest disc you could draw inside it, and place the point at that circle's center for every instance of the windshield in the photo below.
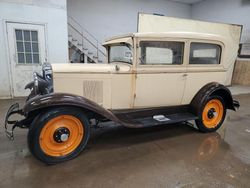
(120, 53)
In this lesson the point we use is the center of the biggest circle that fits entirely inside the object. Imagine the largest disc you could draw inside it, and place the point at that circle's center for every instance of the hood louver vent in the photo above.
(93, 90)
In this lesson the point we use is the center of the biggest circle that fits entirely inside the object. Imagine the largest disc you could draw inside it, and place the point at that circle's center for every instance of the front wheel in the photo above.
(58, 135)
(211, 114)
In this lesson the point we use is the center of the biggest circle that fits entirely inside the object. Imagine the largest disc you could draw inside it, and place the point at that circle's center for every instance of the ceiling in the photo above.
(188, 1)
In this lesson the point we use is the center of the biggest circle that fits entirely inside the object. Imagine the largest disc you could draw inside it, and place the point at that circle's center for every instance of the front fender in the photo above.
(64, 99)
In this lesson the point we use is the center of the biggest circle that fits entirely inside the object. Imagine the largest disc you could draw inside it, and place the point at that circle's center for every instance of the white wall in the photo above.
(226, 11)
(107, 18)
(53, 13)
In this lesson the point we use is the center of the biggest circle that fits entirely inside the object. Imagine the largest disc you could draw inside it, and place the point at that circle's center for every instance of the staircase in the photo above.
(83, 46)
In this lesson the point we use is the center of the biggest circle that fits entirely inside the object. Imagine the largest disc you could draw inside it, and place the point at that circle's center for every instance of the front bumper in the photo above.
(10, 125)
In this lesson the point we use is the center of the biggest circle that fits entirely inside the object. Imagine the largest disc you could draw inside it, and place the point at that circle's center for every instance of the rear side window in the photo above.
(161, 52)
(203, 53)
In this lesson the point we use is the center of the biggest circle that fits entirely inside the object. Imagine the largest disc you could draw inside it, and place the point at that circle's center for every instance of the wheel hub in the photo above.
(211, 113)
(61, 135)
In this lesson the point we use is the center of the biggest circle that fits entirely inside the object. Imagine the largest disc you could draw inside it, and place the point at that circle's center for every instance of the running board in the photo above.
(155, 116)
(166, 119)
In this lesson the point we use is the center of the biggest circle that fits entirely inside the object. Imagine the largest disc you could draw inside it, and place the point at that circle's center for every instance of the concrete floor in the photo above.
(165, 156)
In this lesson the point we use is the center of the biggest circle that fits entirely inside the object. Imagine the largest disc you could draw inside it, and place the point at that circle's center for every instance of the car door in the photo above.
(160, 73)
(27, 52)
(204, 66)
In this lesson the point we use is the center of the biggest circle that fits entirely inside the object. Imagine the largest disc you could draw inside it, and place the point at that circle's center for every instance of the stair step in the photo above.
(95, 57)
(90, 53)
(85, 48)
(79, 44)
(74, 39)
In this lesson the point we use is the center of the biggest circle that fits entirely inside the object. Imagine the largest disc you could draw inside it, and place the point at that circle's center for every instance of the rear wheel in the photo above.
(58, 135)
(211, 114)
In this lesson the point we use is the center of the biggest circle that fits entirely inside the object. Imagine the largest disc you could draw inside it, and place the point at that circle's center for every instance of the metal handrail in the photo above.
(81, 34)
(82, 27)
(96, 46)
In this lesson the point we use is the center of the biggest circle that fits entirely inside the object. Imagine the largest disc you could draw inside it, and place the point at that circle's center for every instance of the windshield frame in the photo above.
(121, 44)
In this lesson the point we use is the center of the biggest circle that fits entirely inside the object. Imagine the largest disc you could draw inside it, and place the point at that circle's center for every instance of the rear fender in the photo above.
(210, 89)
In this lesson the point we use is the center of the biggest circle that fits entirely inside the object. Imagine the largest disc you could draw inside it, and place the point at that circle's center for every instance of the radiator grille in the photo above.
(93, 90)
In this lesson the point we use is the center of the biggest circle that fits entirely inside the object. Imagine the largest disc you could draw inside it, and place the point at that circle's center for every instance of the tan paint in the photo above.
(116, 86)
(156, 84)
(134, 74)
(134, 86)
(115, 40)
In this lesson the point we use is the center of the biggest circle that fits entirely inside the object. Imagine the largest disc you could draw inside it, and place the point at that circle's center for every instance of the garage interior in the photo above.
(175, 155)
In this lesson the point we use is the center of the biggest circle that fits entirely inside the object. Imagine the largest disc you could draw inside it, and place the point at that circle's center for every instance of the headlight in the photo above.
(35, 82)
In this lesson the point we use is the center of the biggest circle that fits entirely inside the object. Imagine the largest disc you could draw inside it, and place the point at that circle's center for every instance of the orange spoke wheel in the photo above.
(58, 134)
(212, 113)
(61, 135)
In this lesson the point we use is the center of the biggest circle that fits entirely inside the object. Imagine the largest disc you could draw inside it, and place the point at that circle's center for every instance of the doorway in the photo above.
(27, 52)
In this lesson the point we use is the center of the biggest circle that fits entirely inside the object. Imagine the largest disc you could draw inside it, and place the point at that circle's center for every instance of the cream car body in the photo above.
(121, 86)
(172, 70)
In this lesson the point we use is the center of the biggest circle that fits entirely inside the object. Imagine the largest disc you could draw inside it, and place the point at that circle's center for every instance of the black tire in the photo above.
(201, 123)
(39, 123)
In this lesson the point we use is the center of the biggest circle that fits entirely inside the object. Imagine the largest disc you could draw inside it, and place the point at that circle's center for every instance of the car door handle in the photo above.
(184, 75)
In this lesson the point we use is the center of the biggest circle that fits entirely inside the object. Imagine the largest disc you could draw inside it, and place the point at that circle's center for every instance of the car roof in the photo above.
(177, 35)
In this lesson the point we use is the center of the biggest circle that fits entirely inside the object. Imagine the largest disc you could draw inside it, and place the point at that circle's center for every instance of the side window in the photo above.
(204, 53)
(161, 52)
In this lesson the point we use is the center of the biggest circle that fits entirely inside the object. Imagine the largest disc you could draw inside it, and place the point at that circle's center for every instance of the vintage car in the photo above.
(171, 70)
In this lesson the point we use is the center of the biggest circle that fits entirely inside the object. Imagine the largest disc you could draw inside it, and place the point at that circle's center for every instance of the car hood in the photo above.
(90, 68)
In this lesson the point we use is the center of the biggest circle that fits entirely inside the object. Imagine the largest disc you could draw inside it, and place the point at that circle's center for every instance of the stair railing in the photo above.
(86, 36)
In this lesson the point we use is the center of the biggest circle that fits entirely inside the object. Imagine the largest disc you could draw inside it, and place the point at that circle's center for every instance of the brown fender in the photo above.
(214, 88)
(38, 104)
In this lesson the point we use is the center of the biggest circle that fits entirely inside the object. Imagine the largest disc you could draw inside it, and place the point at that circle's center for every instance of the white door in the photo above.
(27, 52)
(161, 73)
